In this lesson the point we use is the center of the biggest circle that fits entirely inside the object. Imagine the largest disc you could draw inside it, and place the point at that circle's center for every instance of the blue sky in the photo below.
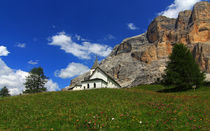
(64, 36)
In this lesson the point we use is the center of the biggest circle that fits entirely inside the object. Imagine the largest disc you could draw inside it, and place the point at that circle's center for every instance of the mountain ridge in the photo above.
(142, 59)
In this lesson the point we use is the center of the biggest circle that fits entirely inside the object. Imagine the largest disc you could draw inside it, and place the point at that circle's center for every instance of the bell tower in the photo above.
(95, 65)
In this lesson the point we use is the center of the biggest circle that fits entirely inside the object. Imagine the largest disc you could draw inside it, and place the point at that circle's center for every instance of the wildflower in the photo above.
(140, 122)
(112, 118)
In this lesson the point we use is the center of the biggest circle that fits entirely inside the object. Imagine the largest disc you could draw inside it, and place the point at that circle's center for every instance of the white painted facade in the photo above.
(98, 79)
(93, 84)
(77, 87)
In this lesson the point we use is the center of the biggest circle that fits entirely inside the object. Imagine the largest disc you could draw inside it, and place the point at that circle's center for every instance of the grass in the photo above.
(139, 108)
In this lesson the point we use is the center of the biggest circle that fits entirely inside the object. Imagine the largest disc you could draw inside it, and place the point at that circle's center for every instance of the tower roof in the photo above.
(95, 65)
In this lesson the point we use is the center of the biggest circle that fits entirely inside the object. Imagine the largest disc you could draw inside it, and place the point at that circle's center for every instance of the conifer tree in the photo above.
(4, 92)
(182, 70)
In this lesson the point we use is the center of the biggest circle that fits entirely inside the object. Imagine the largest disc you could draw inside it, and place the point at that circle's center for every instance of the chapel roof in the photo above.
(98, 68)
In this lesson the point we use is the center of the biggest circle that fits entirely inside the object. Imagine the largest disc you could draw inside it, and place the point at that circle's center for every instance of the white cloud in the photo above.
(52, 86)
(3, 51)
(173, 10)
(131, 26)
(78, 37)
(33, 62)
(83, 50)
(14, 80)
(73, 69)
(21, 45)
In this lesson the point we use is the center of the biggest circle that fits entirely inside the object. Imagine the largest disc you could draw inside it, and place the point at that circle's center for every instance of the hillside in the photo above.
(108, 109)
(142, 59)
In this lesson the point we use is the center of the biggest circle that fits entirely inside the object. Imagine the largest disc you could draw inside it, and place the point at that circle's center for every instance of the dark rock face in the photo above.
(183, 20)
(142, 59)
(125, 47)
(201, 52)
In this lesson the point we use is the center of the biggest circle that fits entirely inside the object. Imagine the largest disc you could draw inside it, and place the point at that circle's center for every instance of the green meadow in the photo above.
(139, 108)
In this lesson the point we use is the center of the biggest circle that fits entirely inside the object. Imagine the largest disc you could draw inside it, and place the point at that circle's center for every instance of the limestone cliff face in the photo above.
(190, 28)
(142, 59)
(199, 24)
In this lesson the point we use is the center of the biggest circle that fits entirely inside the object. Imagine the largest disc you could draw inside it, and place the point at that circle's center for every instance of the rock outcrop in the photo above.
(142, 59)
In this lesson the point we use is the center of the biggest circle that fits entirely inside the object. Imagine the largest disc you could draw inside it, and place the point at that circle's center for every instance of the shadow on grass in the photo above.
(207, 84)
(171, 90)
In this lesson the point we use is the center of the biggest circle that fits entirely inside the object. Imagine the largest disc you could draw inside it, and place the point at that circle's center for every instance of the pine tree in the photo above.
(35, 82)
(4, 92)
(182, 70)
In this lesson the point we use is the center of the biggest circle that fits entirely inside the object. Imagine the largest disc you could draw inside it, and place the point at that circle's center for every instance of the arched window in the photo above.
(94, 85)
(88, 86)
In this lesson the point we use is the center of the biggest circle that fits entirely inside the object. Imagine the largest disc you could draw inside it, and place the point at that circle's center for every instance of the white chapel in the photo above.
(97, 79)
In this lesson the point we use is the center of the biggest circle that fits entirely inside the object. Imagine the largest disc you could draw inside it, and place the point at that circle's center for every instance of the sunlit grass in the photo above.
(109, 109)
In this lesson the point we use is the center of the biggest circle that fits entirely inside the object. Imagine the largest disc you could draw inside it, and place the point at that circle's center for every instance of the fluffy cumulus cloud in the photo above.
(14, 80)
(52, 86)
(3, 51)
(131, 26)
(83, 50)
(173, 10)
(73, 69)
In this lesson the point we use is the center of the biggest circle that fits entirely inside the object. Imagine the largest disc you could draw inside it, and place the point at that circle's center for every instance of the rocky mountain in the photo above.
(142, 59)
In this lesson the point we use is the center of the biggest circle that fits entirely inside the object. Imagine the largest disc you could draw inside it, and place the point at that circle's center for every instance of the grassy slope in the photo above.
(107, 109)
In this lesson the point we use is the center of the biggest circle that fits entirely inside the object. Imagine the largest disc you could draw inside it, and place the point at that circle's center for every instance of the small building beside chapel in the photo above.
(97, 78)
